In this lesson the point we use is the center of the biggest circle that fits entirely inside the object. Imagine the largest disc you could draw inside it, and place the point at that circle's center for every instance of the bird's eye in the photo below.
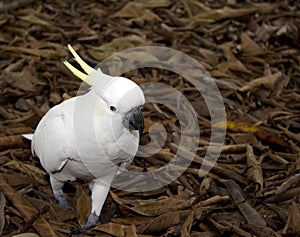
(113, 108)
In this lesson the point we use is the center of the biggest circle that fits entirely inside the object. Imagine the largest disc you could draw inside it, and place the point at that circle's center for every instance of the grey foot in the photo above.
(62, 201)
(91, 222)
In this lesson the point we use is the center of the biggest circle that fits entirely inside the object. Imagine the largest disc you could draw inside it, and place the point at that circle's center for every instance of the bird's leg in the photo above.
(99, 194)
(58, 193)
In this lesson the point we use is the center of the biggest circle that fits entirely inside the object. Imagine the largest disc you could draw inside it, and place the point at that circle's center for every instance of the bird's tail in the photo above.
(28, 136)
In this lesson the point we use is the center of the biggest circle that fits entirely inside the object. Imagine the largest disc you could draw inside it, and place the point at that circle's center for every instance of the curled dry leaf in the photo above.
(254, 173)
(187, 225)
(249, 213)
(295, 179)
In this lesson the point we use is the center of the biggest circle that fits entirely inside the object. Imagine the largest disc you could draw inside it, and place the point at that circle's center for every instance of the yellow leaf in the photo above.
(237, 126)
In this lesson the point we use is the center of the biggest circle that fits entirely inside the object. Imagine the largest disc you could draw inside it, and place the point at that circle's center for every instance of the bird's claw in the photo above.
(91, 222)
(62, 202)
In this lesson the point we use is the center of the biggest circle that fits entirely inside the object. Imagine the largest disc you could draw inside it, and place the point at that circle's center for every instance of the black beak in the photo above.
(134, 120)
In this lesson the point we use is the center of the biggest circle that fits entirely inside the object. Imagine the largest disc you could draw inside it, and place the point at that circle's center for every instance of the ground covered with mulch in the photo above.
(250, 48)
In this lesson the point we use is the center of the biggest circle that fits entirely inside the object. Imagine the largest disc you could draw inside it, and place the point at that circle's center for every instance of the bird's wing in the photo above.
(50, 140)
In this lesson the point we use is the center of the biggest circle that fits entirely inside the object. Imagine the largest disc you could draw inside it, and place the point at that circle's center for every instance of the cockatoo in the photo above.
(90, 137)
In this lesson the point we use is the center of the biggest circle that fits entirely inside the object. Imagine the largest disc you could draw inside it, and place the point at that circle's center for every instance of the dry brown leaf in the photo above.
(12, 141)
(267, 82)
(17, 30)
(18, 180)
(271, 138)
(225, 13)
(83, 205)
(249, 46)
(249, 213)
(194, 7)
(261, 231)
(166, 221)
(187, 225)
(35, 20)
(117, 230)
(43, 53)
(212, 201)
(209, 55)
(279, 87)
(118, 44)
(265, 7)
(293, 180)
(27, 210)
(155, 207)
(26, 235)
(293, 222)
(232, 62)
(204, 234)
(254, 173)
(234, 229)
(205, 186)
(131, 10)
(289, 194)
(134, 220)
(34, 172)
(139, 9)
(55, 97)
(19, 80)
(2, 21)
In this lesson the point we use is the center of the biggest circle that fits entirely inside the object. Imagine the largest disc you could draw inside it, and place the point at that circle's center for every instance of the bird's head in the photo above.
(122, 96)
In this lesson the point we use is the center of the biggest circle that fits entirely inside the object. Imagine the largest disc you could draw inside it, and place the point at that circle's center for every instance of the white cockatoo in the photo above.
(92, 136)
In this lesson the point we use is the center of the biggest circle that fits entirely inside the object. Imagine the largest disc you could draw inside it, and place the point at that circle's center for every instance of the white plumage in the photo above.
(88, 137)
